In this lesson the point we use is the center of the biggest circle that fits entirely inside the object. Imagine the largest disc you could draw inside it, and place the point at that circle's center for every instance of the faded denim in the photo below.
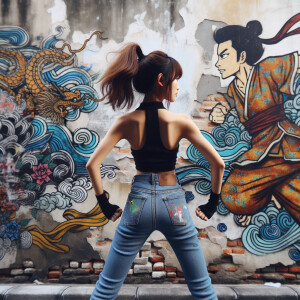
(150, 207)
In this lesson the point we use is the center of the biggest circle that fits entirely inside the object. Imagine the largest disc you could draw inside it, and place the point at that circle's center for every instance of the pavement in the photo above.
(146, 292)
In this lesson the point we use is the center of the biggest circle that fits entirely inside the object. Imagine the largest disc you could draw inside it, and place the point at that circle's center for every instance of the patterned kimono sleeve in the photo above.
(282, 70)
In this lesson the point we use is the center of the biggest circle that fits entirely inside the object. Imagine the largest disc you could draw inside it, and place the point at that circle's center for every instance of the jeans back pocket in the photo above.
(133, 209)
(177, 209)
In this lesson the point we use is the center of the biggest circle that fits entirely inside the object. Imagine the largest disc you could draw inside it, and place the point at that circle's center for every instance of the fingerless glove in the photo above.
(107, 208)
(211, 206)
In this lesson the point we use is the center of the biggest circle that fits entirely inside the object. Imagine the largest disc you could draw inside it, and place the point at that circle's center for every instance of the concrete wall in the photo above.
(51, 227)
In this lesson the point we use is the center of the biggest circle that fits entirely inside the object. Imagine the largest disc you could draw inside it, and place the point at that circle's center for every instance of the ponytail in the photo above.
(133, 68)
(116, 82)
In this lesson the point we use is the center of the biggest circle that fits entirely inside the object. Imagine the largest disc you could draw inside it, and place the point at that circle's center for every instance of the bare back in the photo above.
(169, 126)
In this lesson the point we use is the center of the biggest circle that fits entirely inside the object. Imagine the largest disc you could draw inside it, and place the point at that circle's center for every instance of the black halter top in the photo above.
(153, 156)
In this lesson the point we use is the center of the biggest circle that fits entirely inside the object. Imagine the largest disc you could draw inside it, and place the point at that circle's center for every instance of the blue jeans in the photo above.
(150, 207)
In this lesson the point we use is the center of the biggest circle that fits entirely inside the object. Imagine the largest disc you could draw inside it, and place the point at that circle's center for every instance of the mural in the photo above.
(258, 138)
(40, 89)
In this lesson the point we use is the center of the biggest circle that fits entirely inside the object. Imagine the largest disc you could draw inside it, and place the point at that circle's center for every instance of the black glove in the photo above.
(107, 208)
(211, 206)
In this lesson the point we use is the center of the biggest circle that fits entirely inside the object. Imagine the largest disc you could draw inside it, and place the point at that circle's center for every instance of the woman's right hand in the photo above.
(117, 214)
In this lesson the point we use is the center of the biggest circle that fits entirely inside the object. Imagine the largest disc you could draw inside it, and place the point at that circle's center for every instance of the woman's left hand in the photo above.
(117, 214)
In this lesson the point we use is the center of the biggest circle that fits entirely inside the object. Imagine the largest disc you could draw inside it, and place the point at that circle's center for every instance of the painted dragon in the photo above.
(42, 97)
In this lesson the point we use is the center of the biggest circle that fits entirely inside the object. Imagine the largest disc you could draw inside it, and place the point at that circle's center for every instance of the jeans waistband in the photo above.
(151, 178)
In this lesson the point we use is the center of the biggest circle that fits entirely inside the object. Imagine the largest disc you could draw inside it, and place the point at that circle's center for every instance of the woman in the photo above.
(156, 200)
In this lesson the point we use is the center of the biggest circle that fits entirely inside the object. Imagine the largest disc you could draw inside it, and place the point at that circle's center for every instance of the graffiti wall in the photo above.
(240, 84)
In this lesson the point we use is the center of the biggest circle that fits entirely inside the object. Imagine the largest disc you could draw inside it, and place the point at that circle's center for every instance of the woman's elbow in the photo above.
(219, 165)
(89, 165)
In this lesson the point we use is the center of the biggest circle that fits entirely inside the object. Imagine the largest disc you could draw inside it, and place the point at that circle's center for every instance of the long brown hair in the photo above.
(132, 67)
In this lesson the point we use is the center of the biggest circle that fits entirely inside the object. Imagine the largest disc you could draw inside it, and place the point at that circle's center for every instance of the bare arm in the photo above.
(112, 137)
(192, 133)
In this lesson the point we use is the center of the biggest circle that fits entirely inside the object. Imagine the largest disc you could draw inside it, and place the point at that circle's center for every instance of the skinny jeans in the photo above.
(149, 207)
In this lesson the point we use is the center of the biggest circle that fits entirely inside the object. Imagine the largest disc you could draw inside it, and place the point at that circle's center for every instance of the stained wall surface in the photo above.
(51, 55)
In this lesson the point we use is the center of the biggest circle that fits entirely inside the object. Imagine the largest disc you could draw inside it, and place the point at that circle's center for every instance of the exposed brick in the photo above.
(143, 268)
(74, 264)
(16, 272)
(294, 269)
(170, 269)
(227, 252)
(145, 253)
(171, 274)
(146, 246)
(159, 274)
(255, 276)
(180, 274)
(159, 266)
(86, 265)
(29, 270)
(98, 265)
(232, 268)
(282, 269)
(213, 268)
(97, 271)
(54, 274)
(289, 275)
(238, 251)
(240, 243)
(157, 258)
(202, 235)
(231, 243)
(28, 264)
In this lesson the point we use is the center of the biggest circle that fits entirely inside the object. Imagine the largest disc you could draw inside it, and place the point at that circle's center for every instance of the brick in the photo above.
(202, 235)
(255, 276)
(158, 274)
(282, 269)
(170, 269)
(54, 274)
(146, 246)
(227, 252)
(98, 265)
(157, 258)
(294, 269)
(213, 268)
(29, 270)
(97, 271)
(15, 272)
(142, 268)
(74, 264)
(232, 268)
(141, 260)
(180, 274)
(159, 266)
(130, 272)
(289, 275)
(171, 274)
(28, 264)
(232, 243)
(238, 251)
(240, 243)
(145, 253)
(86, 265)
